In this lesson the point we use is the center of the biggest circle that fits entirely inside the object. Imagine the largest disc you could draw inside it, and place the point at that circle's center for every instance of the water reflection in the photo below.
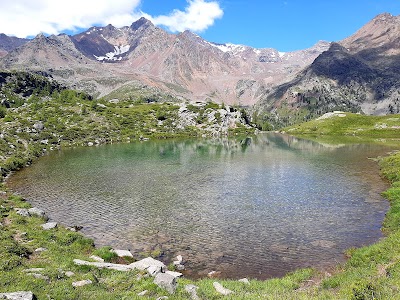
(256, 207)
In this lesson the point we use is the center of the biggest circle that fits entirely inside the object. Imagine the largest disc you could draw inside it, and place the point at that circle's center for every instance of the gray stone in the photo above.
(162, 298)
(38, 126)
(175, 274)
(40, 250)
(34, 211)
(39, 276)
(192, 290)
(122, 253)
(154, 270)
(179, 258)
(49, 225)
(166, 281)
(145, 263)
(97, 258)
(69, 274)
(23, 212)
(33, 270)
(100, 265)
(18, 296)
(81, 283)
(220, 289)
(143, 293)
(244, 280)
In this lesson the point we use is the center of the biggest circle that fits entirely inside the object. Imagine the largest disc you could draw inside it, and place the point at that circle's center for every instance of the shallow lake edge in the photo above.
(389, 219)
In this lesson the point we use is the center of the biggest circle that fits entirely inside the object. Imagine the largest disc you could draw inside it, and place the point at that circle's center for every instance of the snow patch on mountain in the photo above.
(229, 47)
(114, 56)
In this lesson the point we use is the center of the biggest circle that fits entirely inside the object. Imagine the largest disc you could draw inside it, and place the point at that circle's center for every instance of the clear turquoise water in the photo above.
(259, 207)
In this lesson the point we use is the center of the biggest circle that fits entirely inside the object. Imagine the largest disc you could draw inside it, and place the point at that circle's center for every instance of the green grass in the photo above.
(354, 125)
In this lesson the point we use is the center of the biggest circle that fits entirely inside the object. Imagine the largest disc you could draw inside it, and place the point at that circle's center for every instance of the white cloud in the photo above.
(198, 16)
(24, 18)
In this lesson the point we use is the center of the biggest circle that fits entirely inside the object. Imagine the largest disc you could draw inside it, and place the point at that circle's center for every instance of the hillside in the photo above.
(358, 74)
(38, 114)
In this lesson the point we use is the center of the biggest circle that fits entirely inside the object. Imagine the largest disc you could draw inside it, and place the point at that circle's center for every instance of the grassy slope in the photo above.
(351, 125)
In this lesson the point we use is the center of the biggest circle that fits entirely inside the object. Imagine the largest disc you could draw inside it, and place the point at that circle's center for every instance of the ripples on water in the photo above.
(257, 207)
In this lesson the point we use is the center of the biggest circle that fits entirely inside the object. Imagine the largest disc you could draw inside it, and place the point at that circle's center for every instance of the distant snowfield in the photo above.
(113, 56)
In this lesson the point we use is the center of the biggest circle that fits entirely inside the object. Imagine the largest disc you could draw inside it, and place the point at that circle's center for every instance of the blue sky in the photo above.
(286, 25)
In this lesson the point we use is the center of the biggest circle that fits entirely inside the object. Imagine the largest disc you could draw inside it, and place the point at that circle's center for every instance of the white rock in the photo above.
(166, 281)
(49, 225)
(17, 296)
(69, 274)
(220, 289)
(179, 258)
(146, 263)
(143, 293)
(244, 280)
(192, 290)
(23, 212)
(122, 253)
(90, 144)
(33, 270)
(81, 283)
(96, 258)
(34, 211)
(100, 265)
(175, 274)
(154, 270)
(40, 250)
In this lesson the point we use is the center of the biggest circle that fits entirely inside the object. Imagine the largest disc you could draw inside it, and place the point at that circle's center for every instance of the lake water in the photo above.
(257, 207)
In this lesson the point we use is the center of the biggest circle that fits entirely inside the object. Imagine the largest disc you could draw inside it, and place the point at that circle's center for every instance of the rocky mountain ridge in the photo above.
(105, 59)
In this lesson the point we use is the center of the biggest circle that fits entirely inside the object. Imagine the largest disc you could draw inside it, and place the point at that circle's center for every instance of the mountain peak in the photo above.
(142, 22)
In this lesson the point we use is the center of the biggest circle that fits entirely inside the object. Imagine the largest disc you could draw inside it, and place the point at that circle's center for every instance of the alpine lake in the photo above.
(255, 207)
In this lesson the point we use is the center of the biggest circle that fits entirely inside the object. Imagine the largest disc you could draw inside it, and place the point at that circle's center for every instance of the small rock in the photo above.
(39, 276)
(175, 274)
(180, 267)
(38, 126)
(166, 281)
(49, 225)
(96, 258)
(192, 290)
(44, 142)
(17, 296)
(34, 211)
(23, 212)
(81, 283)
(38, 250)
(213, 274)
(244, 280)
(162, 298)
(154, 270)
(69, 274)
(122, 253)
(117, 267)
(143, 293)
(33, 270)
(220, 289)
(179, 258)
(90, 144)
